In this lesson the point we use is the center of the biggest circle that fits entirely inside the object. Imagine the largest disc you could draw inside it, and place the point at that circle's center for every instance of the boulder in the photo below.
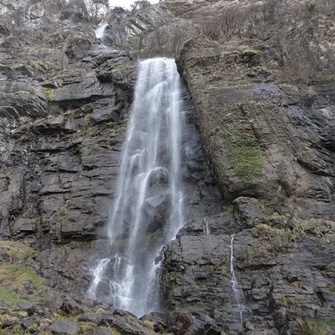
(64, 328)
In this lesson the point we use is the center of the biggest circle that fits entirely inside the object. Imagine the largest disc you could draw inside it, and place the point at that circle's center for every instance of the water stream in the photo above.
(148, 202)
(99, 32)
(206, 227)
(239, 298)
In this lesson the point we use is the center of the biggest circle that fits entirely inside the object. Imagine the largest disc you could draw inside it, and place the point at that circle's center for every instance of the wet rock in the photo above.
(64, 327)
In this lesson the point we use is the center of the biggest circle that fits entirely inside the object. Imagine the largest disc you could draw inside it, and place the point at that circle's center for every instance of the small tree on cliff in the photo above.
(97, 9)
(138, 4)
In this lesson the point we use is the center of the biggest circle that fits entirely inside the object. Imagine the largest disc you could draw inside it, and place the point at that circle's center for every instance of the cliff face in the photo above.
(61, 134)
(271, 144)
(272, 149)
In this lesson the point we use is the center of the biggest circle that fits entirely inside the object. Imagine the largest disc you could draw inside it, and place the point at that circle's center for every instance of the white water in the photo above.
(97, 276)
(148, 188)
(99, 32)
(235, 285)
(206, 227)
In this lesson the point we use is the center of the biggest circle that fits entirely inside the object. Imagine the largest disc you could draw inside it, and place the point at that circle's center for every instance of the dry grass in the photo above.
(294, 32)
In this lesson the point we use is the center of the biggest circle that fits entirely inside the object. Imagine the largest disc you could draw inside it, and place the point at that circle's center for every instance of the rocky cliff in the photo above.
(269, 142)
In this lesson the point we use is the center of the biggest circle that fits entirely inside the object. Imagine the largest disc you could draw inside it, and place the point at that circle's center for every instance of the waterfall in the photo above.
(235, 285)
(97, 275)
(206, 227)
(99, 32)
(148, 203)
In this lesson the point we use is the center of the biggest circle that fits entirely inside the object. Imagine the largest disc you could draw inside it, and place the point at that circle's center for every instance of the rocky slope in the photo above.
(270, 144)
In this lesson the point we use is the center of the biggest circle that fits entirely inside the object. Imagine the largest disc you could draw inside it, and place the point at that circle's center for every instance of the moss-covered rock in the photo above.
(244, 156)
(16, 249)
(49, 93)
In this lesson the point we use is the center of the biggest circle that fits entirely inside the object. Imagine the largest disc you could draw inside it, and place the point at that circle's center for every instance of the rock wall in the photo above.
(271, 147)
(64, 108)
(272, 150)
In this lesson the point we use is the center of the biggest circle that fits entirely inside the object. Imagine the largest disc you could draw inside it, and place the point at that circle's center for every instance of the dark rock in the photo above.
(71, 307)
(159, 321)
(57, 57)
(27, 323)
(103, 111)
(125, 323)
(101, 331)
(270, 145)
(90, 317)
(37, 309)
(18, 104)
(64, 327)
(23, 305)
(181, 323)
(53, 300)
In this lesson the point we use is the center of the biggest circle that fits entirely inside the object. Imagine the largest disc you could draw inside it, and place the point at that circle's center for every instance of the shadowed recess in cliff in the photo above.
(148, 202)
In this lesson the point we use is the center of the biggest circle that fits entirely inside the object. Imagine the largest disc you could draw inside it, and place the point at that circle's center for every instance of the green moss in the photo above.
(140, 43)
(49, 93)
(19, 275)
(9, 297)
(283, 301)
(148, 324)
(230, 209)
(244, 156)
(331, 288)
(38, 226)
(16, 249)
(85, 327)
(114, 331)
(17, 330)
(314, 326)
(311, 7)
(291, 302)
(251, 252)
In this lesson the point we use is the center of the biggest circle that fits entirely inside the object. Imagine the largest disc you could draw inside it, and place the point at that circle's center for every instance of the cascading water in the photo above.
(148, 204)
(206, 227)
(235, 285)
(99, 32)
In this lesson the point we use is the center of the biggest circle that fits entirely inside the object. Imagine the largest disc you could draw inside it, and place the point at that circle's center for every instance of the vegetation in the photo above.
(244, 156)
(16, 249)
(8, 297)
(138, 4)
(17, 330)
(294, 32)
(16, 276)
(49, 93)
(114, 331)
(314, 326)
(149, 324)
